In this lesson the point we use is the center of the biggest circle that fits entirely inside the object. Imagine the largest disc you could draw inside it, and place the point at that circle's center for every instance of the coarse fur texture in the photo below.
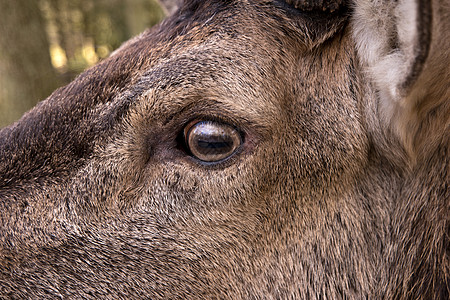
(338, 191)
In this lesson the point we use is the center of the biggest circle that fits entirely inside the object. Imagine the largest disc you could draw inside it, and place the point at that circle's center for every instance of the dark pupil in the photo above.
(214, 144)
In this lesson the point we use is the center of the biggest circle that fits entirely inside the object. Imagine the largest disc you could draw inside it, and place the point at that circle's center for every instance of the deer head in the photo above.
(243, 150)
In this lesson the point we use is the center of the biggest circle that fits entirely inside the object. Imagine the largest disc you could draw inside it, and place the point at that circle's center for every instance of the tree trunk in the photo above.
(26, 72)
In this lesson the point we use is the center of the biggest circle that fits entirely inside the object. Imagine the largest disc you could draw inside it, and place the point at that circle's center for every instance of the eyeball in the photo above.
(211, 141)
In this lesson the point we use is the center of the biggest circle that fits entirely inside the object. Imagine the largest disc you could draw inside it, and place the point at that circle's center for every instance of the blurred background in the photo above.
(44, 44)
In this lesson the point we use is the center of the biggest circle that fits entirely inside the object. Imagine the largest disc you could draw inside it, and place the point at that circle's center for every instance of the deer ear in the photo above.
(170, 6)
(393, 41)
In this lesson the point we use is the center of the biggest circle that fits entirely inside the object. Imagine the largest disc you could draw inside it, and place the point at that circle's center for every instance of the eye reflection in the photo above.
(211, 141)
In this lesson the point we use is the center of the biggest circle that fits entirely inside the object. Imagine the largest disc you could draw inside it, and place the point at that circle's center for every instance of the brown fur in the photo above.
(322, 201)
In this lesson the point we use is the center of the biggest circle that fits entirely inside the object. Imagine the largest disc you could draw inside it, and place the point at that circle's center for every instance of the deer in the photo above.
(241, 149)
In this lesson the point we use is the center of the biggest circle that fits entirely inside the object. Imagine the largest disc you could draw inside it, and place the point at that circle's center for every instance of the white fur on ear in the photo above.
(389, 39)
(170, 6)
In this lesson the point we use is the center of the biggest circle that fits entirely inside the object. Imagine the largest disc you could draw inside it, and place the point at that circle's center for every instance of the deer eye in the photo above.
(211, 141)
